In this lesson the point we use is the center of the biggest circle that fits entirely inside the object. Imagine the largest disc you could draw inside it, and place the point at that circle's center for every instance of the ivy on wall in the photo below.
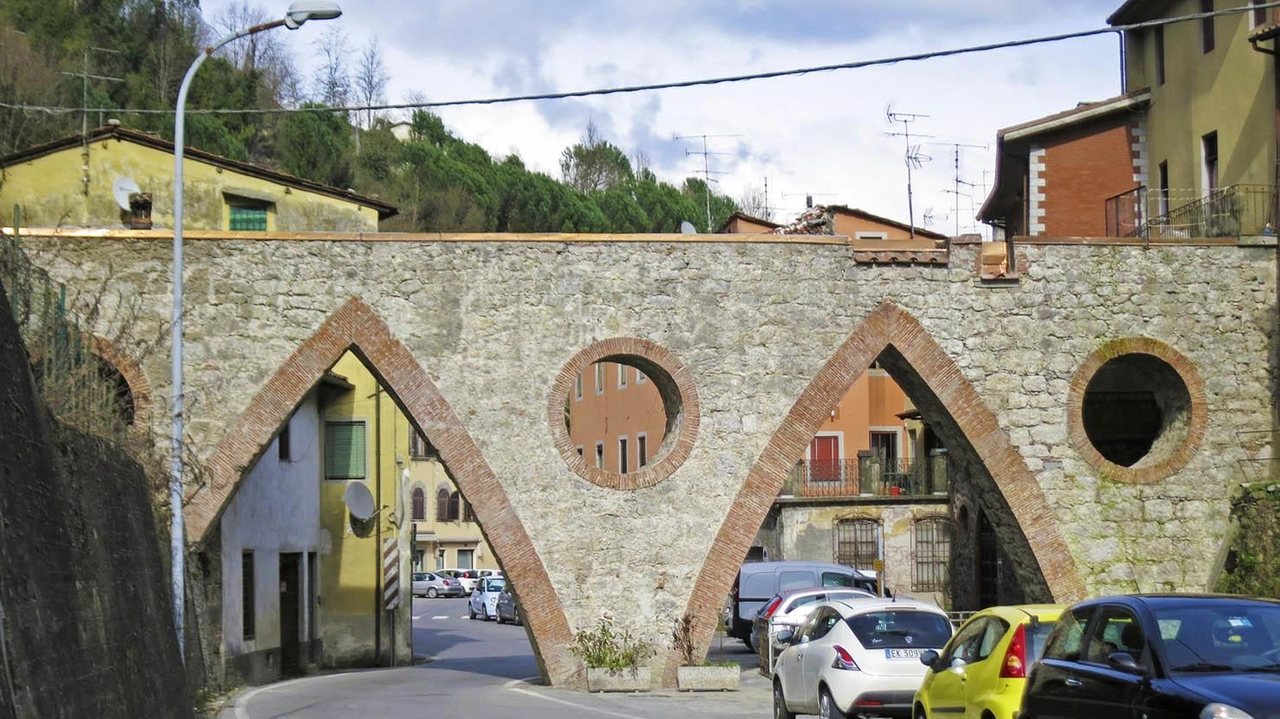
(1253, 564)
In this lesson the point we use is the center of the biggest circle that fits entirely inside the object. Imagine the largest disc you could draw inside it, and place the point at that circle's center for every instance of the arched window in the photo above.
(455, 502)
(419, 504)
(442, 505)
(468, 514)
(932, 554)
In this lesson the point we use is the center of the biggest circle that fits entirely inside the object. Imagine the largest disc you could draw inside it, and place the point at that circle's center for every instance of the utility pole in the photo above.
(913, 157)
(85, 76)
(707, 172)
(955, 176)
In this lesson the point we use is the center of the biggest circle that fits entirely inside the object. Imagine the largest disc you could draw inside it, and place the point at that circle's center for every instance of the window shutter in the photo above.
(344, 450)
(442, 506)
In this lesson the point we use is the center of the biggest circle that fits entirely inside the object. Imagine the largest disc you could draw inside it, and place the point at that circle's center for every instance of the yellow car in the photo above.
(981, 672)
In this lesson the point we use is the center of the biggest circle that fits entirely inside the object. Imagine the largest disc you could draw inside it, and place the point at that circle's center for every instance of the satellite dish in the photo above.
(687, 228)
(121, 189)
(359, 501)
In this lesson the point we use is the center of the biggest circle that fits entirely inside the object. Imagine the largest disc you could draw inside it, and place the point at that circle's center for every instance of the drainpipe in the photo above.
(377, 545)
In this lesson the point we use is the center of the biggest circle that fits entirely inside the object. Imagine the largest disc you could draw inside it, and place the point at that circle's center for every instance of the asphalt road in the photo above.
(483, 669)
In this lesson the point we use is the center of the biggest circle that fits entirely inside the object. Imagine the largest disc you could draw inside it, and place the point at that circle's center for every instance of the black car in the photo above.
(1158, 657)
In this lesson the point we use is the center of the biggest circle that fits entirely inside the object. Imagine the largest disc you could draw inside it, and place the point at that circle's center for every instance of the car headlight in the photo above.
(1223, 711)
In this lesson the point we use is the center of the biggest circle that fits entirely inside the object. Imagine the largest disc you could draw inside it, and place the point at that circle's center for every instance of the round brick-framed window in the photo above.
(626, 364)
(1136, 410)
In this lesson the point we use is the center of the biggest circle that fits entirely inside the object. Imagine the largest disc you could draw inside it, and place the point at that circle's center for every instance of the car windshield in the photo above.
(896, 628)
(495, 585)
(1221, 636)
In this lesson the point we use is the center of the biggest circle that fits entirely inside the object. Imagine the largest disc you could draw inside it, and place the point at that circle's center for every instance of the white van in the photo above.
(757, 582)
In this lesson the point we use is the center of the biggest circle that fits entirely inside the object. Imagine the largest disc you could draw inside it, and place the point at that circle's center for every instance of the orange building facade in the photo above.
(615, 417)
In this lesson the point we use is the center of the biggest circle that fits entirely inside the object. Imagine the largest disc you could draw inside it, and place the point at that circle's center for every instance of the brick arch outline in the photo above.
(1198, 411)
(133, 376)
(357, 327)
(888, 324)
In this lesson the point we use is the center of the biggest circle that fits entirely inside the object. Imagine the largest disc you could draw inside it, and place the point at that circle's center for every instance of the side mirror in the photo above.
(1125, 662)
(785, 636)
(928, 657)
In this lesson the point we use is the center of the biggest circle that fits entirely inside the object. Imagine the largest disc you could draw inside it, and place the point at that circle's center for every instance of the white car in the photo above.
(789, 609)
(857, 657)
(484, 600)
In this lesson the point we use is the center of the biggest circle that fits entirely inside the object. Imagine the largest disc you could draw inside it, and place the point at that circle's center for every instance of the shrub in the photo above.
(605, 647)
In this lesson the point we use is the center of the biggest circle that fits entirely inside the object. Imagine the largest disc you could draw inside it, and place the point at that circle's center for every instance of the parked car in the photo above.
(468, 577)
(484, 600)
(982, 671)
(789, 609)
(1160, 656)
(430, 584)
(507, 608)
(757, 582)
(857, 657)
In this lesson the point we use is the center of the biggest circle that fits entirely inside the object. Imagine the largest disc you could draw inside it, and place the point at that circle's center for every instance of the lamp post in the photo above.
(298, 13)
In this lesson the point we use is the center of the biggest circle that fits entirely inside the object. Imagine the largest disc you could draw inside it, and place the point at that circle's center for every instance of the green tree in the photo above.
(594, 164)
(316, 146)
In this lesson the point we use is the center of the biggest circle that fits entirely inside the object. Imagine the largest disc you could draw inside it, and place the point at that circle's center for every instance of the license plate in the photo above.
(903, 653)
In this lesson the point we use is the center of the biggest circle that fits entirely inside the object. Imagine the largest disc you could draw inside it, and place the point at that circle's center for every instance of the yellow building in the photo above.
(445, 533)
(115, 177)
(1210, 130)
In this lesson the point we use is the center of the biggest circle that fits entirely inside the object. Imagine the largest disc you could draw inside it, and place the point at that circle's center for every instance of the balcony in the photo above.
(868, 476)
(1225, 212)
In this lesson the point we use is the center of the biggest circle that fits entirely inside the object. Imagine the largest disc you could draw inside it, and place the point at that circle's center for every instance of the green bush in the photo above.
(605, 647)
(1253, 565)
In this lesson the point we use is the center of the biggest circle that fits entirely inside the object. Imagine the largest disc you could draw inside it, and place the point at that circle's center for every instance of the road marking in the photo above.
(439, 616)
(513, 686)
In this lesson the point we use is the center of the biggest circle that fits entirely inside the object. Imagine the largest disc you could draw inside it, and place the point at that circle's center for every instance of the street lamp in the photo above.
(298, 13)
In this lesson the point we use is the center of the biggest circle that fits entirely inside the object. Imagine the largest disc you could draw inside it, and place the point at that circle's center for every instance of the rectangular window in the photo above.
(465, 560)
(824, 459)
(344, 450)
(599, 378)
(419, 447)
(579, 450)
(857, 543)
(622, 376)
(642, 449)
(1209, 150)
(622, 456)
(283, 450)
(1259, 15)
(248, 218)
(932, 554)
(1159, 35)
(871, 235)
(577, 389)
(247, 607)
(885, 444)
(1206, 27)
(599, 455)
(641, 378)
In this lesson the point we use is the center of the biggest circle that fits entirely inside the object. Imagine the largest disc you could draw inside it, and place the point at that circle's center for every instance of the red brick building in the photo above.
(1055, 175)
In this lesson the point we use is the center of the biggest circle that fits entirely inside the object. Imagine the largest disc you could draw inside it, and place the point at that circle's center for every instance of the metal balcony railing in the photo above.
(868, 475)
(1188, 214)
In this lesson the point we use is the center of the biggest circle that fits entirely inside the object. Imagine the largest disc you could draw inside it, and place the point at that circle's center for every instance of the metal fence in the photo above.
(1189, 214)
(867, 475)
(75, 384)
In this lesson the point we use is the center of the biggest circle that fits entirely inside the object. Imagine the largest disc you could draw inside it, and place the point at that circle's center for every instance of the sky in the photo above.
(823, 134)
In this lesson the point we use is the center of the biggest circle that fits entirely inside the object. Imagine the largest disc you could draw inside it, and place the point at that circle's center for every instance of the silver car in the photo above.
(430, 584)
(789, 609)
(508, 609)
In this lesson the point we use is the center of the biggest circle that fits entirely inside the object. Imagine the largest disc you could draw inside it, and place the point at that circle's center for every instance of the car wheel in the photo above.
(827, 708)
(780, 710)
(432, 593)
(517, 619)
(922, 714)
(471, 611)
(499, 618)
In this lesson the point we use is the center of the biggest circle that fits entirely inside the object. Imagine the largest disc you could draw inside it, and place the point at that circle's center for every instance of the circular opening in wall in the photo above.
(1136, 410)
(624, 413)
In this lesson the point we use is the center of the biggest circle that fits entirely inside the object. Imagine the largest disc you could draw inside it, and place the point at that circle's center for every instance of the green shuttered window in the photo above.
(248, 219)
(344, 450)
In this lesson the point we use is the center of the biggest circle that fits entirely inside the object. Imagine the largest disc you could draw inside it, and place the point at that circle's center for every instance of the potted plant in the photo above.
(696, 675)
(613, 658)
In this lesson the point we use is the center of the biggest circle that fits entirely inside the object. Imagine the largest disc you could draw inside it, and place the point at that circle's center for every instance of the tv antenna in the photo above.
(707, 172)
(930, 218)
(913, 157)
(955, 176)
(808, 197)
(85, 76)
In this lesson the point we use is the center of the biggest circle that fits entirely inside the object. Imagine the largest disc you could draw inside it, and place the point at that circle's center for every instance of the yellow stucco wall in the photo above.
(52, 191)
(433, 535)
(350, 565)
(1229, 90)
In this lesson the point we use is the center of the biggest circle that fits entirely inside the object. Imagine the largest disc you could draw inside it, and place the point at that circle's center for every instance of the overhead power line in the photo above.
(857, 64)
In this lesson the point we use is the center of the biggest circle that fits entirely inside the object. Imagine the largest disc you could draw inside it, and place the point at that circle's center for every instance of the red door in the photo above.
(824, 459)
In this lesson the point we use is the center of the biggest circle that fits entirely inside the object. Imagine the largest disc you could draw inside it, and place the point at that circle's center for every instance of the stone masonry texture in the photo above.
(472, 335)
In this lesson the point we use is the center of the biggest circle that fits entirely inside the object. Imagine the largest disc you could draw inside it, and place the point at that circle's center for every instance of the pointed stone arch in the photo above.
(888, 326)
(356, 327)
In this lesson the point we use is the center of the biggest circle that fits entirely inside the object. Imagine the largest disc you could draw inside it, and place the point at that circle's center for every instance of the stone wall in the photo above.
(86, 623)
(473, 332)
